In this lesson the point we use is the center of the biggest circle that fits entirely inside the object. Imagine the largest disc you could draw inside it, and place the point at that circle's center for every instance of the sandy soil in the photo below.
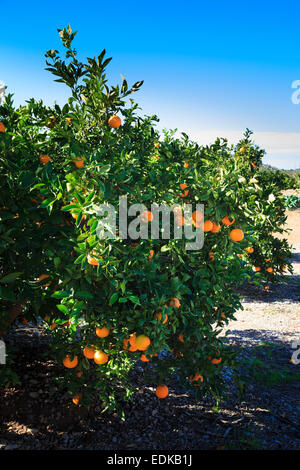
(275, 313)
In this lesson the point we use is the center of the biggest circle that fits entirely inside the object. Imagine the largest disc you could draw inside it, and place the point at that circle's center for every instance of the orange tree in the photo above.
(112, 302)
(254, 202)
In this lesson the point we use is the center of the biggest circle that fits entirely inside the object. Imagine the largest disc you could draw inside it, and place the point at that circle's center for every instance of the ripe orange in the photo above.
(183, 186)
(216, 228)
(226, 220)
(79, 162)
(151, 253)
(76, 399)
(70, 364)
(268, 259)
(42, 277)
(207, 226)
(223, 315)
(79, 374)
(132, 348)
(179, 220)
(242, 149)
(159, 316)
(53, 326)
(92, 261)
(283, 268)
(114, 122)
(267, 287)
(175, 302)
(142, 342)
(254, 165)
(197, 217)
(257, 269)
(146, 216)
(216, 361)
(75, 216)
(211, 255)
(162, 391)
(249, 249)
(185, 193)
(89, 352)
(236, 235)
(186, 165)
(196, 377)
(68, 121)
(180, 337)
(144, 358)
(100, 357)
(131, 340)
(44, 159)
(270, 270)
(2, 127)
(177, 210)
(156, 145)
(102, 332)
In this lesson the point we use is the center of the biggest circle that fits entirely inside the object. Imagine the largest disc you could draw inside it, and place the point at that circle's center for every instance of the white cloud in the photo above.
(285, 144)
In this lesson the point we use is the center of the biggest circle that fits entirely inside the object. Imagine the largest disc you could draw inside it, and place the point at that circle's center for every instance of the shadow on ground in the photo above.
(36, 415)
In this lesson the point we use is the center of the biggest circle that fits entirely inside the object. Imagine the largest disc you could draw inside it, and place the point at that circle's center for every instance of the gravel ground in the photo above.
(36, 415)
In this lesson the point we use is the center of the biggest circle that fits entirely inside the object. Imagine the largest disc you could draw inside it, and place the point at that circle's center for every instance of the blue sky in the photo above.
(210, 68)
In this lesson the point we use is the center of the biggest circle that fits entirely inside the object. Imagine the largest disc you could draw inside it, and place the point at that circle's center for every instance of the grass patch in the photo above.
(263, 368)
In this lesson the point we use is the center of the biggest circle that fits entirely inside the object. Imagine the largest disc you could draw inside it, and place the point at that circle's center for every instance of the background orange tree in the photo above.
(111, 303)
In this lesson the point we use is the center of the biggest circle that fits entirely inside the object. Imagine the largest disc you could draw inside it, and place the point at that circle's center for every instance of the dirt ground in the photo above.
(36, 415)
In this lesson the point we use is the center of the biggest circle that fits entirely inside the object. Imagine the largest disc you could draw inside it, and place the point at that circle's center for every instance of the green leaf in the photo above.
(83, 295)
(134, 299)
(7, 294)
(10, 277)
(63, 309)
(113, 298)
(60, 294)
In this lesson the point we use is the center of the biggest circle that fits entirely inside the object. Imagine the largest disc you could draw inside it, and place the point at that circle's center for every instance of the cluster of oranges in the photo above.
(114, 122)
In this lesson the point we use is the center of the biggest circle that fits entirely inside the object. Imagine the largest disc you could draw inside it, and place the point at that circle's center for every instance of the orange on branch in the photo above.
(162, 391)
(100, 357)
(180, 337)
(179, 220)
(88, 352)
(226, 220)
(236, 235)
(44, 159)
(70, 363)
(216, 228)
(158, 316)
(76, 399)
(175, 302)
(102, 332)
(142, 342)
(79, 162)
(92, 261)
(208, 226)
(216, 361)
(146, 216)
(114, 122)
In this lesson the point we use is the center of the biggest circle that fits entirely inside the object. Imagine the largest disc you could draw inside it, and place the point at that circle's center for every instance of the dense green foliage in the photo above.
(49, 220)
